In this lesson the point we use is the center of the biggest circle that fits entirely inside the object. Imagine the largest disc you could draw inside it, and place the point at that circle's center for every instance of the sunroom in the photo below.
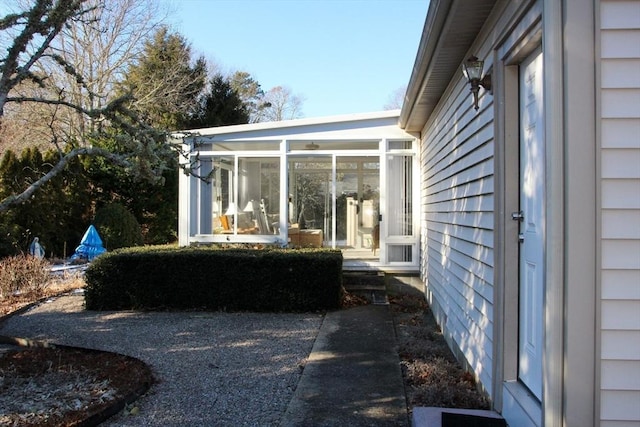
(346, 182)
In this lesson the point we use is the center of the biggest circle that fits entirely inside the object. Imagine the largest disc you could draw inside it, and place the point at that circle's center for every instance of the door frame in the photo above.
(571, 392)
(389, 241)
(510, 397)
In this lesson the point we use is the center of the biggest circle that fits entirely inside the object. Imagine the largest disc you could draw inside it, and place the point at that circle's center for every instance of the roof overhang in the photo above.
(363, 126)
(449, 31)
(296, 123)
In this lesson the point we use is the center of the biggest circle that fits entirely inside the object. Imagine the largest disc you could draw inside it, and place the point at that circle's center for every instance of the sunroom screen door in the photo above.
(310, 183)
(358, 204)
(400, 239)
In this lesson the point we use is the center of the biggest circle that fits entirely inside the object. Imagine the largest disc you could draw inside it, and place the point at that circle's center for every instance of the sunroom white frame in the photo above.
(379, 134)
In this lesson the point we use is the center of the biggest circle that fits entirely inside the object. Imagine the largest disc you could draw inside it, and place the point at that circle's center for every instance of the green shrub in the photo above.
(24, 274)
(213, 279)
(12, 238)
(117, 227)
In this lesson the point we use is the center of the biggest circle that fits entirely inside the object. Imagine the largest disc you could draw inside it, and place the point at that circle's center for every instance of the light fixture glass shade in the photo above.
(472, 68)
(232, 209)
(249, 207)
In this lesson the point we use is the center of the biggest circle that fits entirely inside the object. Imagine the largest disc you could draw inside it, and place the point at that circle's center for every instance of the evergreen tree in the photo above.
(220, 106)
(57, 215)
(164, 83)
(155, 207)
(69, 201)
(11, 233)
(250, 93)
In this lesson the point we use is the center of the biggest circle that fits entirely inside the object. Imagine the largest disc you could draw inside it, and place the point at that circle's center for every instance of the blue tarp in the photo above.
(90, 245)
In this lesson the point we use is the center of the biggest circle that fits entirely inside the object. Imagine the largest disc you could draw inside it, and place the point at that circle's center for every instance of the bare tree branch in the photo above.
(76, 52)
(43, 19)
(282, 105)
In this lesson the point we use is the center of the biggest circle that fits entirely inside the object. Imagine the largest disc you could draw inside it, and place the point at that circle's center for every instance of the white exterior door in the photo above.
(532, 224)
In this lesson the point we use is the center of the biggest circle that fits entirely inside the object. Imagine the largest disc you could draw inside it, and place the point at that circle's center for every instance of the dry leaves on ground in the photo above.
(53, 386)
(432, 375)
(65, 386)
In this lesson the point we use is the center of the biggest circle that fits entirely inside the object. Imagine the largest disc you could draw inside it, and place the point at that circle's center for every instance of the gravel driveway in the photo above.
(214, 369)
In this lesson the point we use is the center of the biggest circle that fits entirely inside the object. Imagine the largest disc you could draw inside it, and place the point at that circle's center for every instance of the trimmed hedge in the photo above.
(161, 278)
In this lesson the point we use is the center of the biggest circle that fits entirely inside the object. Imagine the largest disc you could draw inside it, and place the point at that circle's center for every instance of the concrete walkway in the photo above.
(352, 377)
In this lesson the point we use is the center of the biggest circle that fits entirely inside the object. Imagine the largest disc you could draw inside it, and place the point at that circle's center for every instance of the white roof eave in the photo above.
(450, 29)
(328, 122)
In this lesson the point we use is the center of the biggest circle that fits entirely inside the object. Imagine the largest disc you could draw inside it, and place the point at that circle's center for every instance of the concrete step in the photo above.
(370, 286)
(452, 417)
(363, 279)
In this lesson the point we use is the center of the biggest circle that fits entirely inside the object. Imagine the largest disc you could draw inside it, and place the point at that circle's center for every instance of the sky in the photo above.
(340, 56)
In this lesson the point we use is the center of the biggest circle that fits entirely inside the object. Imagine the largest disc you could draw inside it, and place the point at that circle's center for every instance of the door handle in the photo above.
(517, 216)
(520, 237)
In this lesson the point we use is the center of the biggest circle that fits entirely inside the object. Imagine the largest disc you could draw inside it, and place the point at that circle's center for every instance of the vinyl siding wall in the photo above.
(457, 189)
(620, 213)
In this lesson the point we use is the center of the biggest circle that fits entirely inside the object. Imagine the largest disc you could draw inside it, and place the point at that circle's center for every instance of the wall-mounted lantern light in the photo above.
(472, 70)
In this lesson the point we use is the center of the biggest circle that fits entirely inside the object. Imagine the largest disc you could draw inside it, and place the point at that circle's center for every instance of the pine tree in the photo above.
(57, 216)
(250, 93)
(164, 83)
(10, 231)
(220, 106)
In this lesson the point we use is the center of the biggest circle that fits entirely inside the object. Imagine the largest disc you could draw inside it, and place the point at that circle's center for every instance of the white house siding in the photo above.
(457, 188)
(620, 213)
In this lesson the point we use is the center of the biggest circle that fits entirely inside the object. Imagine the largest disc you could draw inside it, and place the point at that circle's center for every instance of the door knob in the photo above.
(517, 216)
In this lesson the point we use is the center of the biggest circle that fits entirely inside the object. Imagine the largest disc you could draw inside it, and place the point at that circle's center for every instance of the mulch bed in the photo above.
(431, 373)
(53, 386)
